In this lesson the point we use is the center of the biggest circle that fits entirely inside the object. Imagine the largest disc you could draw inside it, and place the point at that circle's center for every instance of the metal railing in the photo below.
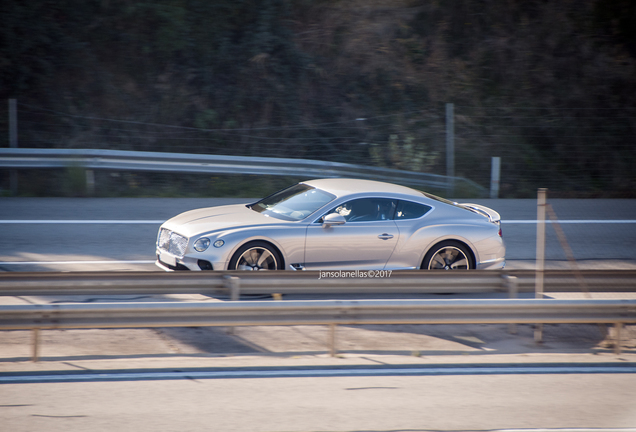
(321, 312)
(316, 312)
(223, 283)
(23, 158)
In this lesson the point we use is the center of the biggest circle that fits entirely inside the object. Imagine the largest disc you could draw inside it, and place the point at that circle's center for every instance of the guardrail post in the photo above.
(90, 182)
(512, 283)
(617, 337)
(36, 345)
(332, 340)
(233, 283)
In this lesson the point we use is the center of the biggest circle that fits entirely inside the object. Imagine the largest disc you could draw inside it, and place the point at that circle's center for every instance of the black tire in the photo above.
(448, 255)
(256, 255)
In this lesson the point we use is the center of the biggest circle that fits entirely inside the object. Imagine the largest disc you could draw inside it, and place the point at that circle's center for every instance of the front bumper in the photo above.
(169, 262)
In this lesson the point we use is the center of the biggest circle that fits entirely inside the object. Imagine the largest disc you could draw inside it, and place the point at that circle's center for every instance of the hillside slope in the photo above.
(548, 86)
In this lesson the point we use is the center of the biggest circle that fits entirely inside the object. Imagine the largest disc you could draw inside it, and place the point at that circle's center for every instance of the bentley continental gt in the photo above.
(335, 224)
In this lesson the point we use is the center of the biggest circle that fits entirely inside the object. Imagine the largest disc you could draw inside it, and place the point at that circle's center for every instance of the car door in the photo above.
(365, 241)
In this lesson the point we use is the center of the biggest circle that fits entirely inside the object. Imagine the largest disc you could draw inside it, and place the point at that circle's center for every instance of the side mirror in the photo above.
(333, 219)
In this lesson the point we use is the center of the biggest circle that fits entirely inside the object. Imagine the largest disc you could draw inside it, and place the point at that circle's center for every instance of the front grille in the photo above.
(172, 242)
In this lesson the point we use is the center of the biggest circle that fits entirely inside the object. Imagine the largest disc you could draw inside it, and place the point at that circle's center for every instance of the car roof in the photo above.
(344, 186)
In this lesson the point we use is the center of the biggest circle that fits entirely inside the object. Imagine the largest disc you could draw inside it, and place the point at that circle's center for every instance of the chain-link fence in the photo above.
(575, 152)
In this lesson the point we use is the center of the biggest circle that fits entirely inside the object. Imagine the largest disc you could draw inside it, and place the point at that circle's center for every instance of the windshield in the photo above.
(294, 203)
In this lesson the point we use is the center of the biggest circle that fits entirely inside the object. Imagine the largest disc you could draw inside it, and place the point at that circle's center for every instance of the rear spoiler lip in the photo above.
(492, 215)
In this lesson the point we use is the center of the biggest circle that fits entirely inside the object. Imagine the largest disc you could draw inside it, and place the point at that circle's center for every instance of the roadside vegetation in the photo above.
(548, 86)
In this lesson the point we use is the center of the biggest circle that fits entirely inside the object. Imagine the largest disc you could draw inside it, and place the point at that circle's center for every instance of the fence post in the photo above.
(450, 147)
(538, 291)
(13, 142)
(495, 174)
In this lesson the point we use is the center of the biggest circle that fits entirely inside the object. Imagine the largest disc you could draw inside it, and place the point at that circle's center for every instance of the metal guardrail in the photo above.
(226, 283)
(23, 158)
(327, 312)
(322, 312)
(315, 312)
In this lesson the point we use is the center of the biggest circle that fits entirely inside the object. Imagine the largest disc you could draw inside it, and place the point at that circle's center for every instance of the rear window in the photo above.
(410, 210)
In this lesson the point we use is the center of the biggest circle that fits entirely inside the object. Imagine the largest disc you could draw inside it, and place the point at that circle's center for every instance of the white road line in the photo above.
(72, 262)
(36, 221)
(513, 221)
(574, 221)
(300, 373)
(568, 430)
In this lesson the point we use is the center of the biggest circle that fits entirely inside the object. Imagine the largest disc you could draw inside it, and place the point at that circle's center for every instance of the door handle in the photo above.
(385, 236)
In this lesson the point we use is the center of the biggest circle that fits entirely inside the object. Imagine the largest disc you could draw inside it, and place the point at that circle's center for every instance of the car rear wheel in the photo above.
(448, 255)
(256, 256)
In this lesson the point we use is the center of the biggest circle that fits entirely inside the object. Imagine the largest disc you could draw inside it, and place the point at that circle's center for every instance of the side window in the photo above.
(366, 209)
(410, 210)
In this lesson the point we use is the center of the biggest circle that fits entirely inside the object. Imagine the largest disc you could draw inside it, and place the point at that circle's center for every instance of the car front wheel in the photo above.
(448, 255)
(255, 256)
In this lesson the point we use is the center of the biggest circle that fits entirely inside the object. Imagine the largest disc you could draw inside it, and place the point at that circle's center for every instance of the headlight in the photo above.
(202, 244)
(219, 243)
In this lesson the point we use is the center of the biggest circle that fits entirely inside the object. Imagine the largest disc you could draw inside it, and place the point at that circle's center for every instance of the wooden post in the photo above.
(332, 340)
(36, 345)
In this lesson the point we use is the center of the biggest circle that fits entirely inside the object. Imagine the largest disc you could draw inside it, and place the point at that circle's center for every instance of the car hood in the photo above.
(210, 219)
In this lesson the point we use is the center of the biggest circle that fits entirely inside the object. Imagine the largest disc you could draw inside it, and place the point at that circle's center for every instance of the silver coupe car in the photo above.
(335, 224)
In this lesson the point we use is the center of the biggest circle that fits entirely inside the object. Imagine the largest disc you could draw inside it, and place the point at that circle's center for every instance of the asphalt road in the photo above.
(159, 379)
(601, 233)
(350, 403)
